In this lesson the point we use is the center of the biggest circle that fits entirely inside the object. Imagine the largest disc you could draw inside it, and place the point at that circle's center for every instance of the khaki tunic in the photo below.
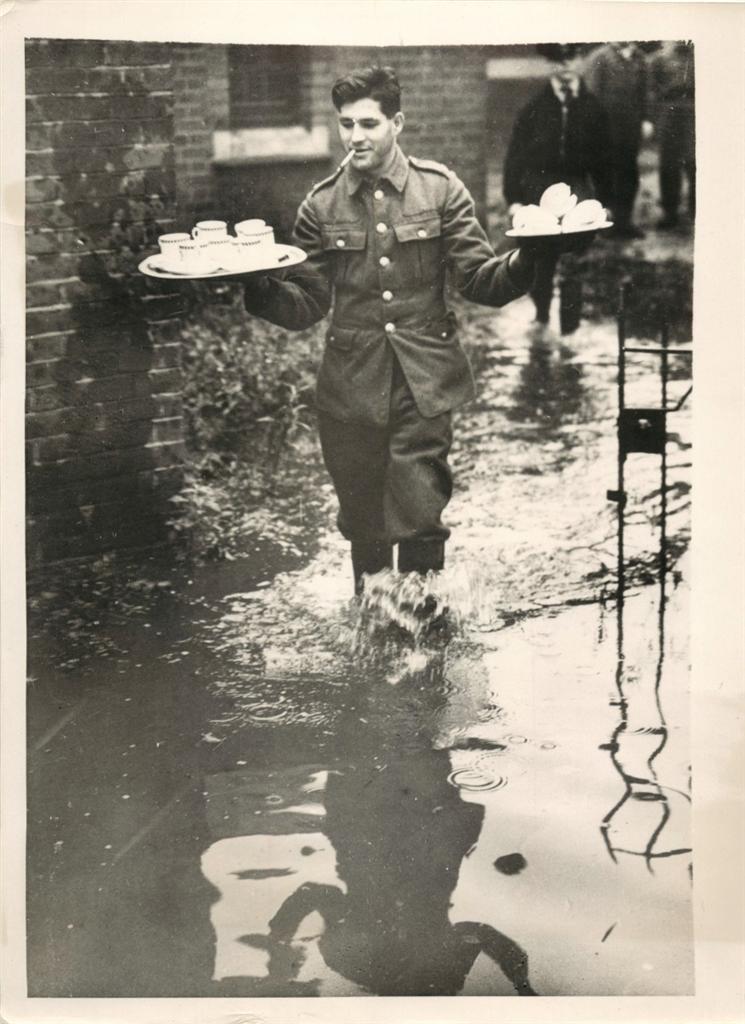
(378, 254)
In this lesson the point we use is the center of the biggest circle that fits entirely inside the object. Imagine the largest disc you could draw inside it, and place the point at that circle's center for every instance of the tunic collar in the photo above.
(396, 174)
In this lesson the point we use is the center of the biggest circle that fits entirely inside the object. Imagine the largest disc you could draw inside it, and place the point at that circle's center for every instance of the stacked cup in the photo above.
(214, 244)
(253, 240)
(210, 247)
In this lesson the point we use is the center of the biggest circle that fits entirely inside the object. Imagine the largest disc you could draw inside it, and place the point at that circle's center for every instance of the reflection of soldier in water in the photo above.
(551, 388)
(400, 831)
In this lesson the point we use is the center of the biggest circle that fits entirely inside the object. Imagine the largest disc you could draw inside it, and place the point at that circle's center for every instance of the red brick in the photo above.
(46, 321)
(167, 430)
(166, 356)
(103, 464)
(50, 267)
(42, 190)
(122, 107)
(86, 134)
(62, 52)
(166, 380)
(53, 346)
(44, 399)
(58, 421)
(137, 54)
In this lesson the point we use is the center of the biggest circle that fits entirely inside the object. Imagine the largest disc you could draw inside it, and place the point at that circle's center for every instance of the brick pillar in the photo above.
(200, 81)
(103, 426)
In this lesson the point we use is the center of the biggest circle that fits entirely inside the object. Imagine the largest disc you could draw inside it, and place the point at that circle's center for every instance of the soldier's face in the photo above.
(369, 134)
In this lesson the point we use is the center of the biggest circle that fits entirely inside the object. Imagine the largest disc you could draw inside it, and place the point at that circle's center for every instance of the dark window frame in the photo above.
(265, 86)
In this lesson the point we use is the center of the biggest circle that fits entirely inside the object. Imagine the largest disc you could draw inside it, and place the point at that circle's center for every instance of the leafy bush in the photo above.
(246, 383)
(247, 389)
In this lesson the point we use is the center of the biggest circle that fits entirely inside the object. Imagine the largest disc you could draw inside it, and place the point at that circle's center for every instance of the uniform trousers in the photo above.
(392, 482)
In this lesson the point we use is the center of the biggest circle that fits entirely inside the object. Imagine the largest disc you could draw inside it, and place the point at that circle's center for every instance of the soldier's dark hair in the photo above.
(377, 83)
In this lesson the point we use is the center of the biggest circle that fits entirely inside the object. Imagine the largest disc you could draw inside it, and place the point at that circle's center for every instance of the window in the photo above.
(270, 114)
(265, 86)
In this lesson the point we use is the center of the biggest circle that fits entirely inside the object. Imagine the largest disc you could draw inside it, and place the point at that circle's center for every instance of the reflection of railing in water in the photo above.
(634, 750)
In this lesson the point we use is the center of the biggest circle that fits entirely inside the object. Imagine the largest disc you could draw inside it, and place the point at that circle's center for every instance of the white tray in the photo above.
(514, 233)
(279, 257)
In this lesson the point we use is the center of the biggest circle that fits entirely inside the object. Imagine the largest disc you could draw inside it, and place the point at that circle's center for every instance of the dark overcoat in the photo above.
(548, 145)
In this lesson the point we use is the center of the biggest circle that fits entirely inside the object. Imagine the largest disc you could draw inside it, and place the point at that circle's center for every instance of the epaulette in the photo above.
(326, 181)
(430, 165)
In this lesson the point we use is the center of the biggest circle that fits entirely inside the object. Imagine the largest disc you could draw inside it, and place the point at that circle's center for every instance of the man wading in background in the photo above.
(380, 233)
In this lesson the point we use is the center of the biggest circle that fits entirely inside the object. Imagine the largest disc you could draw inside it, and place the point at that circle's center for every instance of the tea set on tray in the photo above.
(210, 251)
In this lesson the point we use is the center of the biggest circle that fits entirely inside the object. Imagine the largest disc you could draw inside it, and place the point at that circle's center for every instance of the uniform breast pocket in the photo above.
(420, 257)
(348, 245)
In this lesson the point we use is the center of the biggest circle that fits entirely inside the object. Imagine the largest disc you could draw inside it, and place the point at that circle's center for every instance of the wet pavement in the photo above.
(264, 790)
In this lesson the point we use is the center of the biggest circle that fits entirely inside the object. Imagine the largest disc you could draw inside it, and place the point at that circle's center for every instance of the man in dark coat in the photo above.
(561, 135)
(380, 234)
(672, 98)
(616, 74)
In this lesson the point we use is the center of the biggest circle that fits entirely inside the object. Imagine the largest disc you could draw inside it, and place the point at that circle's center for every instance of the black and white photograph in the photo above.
(358, 465)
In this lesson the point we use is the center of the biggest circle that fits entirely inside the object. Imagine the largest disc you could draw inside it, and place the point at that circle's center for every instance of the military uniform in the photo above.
(392, 368)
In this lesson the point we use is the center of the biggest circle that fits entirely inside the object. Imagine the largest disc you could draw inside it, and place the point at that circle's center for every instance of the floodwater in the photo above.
(265, 789)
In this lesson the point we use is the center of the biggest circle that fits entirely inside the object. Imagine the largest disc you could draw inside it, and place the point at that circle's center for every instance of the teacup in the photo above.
(206, 230)
(195, 257)
(250, 227)
(256, 229)
(218, 249)
(169, 247)
(246, 249)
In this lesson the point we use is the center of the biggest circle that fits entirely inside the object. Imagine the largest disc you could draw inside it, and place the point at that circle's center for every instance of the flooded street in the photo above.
(264, 789)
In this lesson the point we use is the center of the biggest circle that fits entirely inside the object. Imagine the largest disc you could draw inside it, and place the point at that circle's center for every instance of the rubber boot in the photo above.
(369, 557)
(421, 556)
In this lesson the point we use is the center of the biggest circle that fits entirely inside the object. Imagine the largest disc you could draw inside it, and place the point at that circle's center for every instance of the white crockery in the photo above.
(196, 258)
(169, 246)
(209, 229)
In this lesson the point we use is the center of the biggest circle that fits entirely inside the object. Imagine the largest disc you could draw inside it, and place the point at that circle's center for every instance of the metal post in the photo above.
(620, 495)
(664, 372)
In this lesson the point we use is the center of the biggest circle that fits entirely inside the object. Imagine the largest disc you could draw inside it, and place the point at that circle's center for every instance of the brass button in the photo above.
(384, 261)
(378, 193)
(421, 233)
(387, 296)
(340, 243)
(381, 228)
(390, 328)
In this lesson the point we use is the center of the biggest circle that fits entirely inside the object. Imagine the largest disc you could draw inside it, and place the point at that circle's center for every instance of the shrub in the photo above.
(247, 390)
(247, 383)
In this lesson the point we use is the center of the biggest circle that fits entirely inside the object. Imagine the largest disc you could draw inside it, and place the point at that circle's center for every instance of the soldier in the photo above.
(380, 234)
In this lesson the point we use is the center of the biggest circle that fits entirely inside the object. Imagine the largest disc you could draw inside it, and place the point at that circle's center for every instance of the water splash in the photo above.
(426, 608)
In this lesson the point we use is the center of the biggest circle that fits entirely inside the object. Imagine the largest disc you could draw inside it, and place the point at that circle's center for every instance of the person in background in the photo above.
(561, 135)
(380, 233)
(672, 85)
(616, 74)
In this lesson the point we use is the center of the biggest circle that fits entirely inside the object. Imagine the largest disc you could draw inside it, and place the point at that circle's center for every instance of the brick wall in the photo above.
(200, 105)
(103, 426)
